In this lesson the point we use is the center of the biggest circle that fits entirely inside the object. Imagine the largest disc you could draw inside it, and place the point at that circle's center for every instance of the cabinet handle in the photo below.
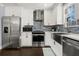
(51, 36)
(54, 42)
(67, 43)
(26, 36)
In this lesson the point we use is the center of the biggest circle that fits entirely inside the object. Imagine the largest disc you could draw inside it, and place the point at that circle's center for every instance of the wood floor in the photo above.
(22, 52)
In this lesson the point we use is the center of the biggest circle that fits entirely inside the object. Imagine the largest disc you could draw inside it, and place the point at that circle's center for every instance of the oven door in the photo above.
(38, 38)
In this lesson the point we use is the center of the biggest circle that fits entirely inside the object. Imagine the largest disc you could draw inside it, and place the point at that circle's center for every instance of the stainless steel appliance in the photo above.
(11, 26)
(27, 28)
(38, 38)
(70, 47)
(38, 15)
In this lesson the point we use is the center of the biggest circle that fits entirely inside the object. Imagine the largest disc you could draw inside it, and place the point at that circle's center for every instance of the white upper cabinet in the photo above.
(12, 10)
(27, 17)
(48, 18)
(60, 14)
(54, 15)
(25, 14)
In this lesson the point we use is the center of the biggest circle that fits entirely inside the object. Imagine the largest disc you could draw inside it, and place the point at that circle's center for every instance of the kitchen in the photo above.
(47, 29)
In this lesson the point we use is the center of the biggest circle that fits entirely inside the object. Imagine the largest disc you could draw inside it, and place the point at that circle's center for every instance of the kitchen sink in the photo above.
(57, 37)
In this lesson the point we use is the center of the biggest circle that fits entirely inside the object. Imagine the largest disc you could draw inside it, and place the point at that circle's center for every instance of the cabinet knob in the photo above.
(54, 42)
(26, 35)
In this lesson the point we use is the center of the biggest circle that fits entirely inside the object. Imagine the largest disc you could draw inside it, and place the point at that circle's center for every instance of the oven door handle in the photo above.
(70, 44)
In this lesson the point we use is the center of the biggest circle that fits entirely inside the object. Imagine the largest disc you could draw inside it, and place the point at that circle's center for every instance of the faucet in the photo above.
(68, 30)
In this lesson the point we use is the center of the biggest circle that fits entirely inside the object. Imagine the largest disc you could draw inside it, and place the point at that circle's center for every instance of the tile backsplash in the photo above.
(61, 28)
(71, 29)
(39, 26)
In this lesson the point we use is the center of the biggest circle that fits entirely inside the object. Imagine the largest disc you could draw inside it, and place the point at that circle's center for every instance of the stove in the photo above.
(38, 38)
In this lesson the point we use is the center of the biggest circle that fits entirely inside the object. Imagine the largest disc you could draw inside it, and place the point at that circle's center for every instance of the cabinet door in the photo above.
(9, 11)
(52, 40)
(52, 43)
(27, 17)
(59, 14)
(57, 49)
(46, 17)
(50, 17)
(29, 39)
(47, 38)
(38, 15)
(26, 39)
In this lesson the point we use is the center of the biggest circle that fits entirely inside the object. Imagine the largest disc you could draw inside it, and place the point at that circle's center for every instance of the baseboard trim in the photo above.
(0, 48)
(34, 46)
(30, 47)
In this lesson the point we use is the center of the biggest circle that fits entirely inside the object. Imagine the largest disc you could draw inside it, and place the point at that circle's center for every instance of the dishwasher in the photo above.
(70, 47)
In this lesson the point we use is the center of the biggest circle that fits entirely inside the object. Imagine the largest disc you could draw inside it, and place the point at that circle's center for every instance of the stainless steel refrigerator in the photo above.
(11, 27)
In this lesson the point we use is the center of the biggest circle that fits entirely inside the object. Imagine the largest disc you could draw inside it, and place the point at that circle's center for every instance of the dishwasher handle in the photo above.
(67, 42)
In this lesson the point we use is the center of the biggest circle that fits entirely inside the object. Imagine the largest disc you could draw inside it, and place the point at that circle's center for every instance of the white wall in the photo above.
(1, 14)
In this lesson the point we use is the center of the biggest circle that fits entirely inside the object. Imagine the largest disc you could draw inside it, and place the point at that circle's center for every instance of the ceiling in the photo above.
(30, 5)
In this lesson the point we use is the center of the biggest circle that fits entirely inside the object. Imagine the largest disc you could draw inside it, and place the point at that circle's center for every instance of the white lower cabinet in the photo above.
(26, 39)
(56, 47)
(47, 38)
